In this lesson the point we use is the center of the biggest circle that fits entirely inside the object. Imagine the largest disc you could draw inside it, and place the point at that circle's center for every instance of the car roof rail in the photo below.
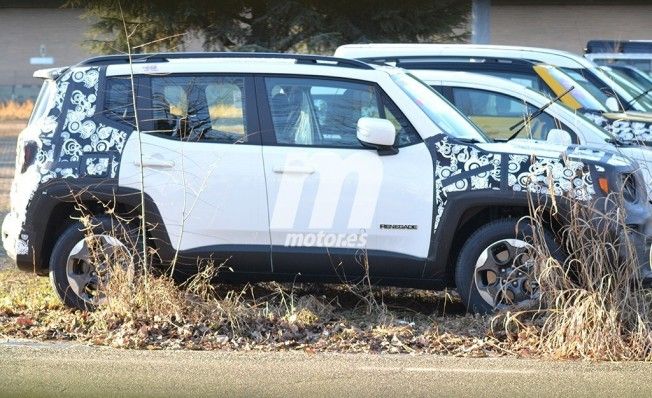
(425, 60)
(165, 57)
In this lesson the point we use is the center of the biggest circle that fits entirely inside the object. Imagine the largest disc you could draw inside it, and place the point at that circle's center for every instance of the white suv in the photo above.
(286, 167)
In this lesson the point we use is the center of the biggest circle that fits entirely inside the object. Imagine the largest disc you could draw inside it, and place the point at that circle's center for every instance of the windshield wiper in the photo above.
(629, 103)
(522, 123)
(469, 140)
(615, 141)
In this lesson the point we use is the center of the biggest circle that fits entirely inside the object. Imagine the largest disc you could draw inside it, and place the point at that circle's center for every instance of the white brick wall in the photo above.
(22, 31)
(568, 27)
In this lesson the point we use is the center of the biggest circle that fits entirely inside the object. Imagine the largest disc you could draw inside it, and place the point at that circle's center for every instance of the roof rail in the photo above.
(165, 57)
(402, 60)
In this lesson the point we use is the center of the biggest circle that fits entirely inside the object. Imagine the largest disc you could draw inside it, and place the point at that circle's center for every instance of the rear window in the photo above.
(45, 100)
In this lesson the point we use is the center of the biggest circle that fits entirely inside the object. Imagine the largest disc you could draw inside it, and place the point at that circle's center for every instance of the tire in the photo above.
(106, 230)
(500, 242)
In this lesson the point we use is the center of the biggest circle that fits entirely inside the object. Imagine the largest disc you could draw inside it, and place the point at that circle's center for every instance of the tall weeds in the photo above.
(593, 305)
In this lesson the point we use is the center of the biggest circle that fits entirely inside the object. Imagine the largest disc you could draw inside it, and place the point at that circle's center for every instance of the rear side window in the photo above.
(118, 100)
(199, 108)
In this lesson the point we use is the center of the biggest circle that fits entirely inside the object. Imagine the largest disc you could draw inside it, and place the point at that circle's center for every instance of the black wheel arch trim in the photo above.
(49, 196)
(438, 265)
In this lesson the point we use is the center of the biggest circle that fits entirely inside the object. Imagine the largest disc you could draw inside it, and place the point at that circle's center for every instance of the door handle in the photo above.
(154, 162)
(294, 169)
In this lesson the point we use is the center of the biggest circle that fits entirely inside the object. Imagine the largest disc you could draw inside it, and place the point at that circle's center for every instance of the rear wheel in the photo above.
(495, 268)
(83, 257)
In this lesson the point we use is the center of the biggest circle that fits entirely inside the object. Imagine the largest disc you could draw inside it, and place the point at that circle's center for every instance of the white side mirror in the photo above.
(612, 104)
(559, 137)
(376, 132)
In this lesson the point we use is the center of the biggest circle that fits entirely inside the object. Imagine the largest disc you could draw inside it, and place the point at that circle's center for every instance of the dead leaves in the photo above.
(265, 319)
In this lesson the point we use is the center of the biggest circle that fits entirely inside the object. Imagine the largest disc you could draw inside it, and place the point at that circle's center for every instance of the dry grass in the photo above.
(593, 305)
(145, 310)
(148, 310)
(251, 317)
(12, 110)
(598, 308)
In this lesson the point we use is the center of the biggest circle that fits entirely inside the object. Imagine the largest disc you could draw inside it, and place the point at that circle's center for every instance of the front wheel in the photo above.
(495, 268)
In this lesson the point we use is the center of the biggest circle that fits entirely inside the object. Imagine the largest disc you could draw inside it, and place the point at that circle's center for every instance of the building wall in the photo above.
(23, 31)
(568, 27)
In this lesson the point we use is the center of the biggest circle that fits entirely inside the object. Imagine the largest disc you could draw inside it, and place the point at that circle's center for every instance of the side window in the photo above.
(199, 108)
(322, 112)
(440, 90)
(118, 100)
(495, 113)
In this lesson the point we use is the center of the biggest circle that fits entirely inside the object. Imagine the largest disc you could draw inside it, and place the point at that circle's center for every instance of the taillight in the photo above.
(29, 155)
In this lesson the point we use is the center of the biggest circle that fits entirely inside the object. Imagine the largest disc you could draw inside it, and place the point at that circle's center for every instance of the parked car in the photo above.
(639, 86)
(644, 80)
(612, 107)
(496, 104)
(634, 53)
(291, 168)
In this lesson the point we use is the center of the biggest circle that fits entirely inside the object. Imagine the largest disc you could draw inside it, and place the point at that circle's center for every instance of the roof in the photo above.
(545, 55)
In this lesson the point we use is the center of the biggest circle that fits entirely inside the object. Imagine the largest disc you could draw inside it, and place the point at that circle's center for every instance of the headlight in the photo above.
(628, 186)
(629, 189)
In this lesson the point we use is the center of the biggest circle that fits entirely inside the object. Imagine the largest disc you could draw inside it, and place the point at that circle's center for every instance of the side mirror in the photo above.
(378, 133)
(612, 104)
(559, 137)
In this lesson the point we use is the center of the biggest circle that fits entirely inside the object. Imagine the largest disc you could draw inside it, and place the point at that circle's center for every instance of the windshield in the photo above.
(587, 126)
(624, 96)
(636, 75)
(439, 110)
(588, 95)
(632, 87)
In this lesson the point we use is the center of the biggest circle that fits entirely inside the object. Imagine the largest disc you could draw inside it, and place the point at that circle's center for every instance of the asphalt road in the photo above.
(67, 370)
